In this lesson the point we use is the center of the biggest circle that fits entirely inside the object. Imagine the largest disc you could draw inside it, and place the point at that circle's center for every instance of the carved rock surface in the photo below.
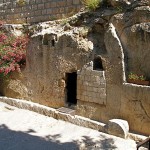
(133, 30)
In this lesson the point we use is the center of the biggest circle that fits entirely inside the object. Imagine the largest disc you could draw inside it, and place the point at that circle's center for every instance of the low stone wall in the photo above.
(135, 106)
(33, 11)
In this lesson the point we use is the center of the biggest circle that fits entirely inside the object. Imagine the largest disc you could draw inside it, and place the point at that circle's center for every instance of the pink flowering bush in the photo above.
(12, 52)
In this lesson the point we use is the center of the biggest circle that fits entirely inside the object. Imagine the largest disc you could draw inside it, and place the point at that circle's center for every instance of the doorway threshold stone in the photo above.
(66, 110)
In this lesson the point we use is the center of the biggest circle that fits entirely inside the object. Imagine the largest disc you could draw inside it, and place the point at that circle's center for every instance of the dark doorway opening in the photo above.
(97, 63)
(71, 88)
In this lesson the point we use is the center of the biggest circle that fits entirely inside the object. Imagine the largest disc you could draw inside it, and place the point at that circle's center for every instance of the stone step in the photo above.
(66, 110)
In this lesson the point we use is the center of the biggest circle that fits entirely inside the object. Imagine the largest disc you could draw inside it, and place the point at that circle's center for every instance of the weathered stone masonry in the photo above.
(91, 86)
(13, 11)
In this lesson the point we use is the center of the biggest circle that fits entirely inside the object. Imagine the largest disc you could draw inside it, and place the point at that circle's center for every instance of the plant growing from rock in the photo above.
(91, 4)
(12, 52)
(134, 76)
(21, 2)
(137, 79)
(119, 9)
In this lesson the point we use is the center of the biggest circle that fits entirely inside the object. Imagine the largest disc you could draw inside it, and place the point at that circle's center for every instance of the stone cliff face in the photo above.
(133, 30)
(101, 48)
(49, 58)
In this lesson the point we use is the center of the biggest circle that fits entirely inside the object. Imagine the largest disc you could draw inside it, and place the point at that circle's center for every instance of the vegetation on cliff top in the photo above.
(91, 4)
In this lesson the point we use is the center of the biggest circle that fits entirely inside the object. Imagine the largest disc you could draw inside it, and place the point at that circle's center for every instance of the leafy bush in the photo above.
(12, 52)
(91, 4)
(21, 2)
(134, 76)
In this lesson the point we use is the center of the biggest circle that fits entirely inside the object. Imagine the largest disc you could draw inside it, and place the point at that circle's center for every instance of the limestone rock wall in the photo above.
(123, 100)
(115, 76)
(49, 58)
(16, 87)
(133, 30)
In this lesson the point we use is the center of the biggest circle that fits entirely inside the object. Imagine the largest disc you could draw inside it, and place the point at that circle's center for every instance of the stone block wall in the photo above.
(91, 86)
(135, 106)
(33, 11)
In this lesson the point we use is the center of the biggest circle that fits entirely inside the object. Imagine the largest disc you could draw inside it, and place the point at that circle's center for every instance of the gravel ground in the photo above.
(25, 130)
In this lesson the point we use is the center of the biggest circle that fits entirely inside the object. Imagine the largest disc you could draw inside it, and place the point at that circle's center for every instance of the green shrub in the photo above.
(91, 4)
(21, 2)
(134, 76)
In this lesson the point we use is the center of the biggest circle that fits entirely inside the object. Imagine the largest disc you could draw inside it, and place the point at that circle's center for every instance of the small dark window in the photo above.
(53, 42)
(97, 64)
(45, 40)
